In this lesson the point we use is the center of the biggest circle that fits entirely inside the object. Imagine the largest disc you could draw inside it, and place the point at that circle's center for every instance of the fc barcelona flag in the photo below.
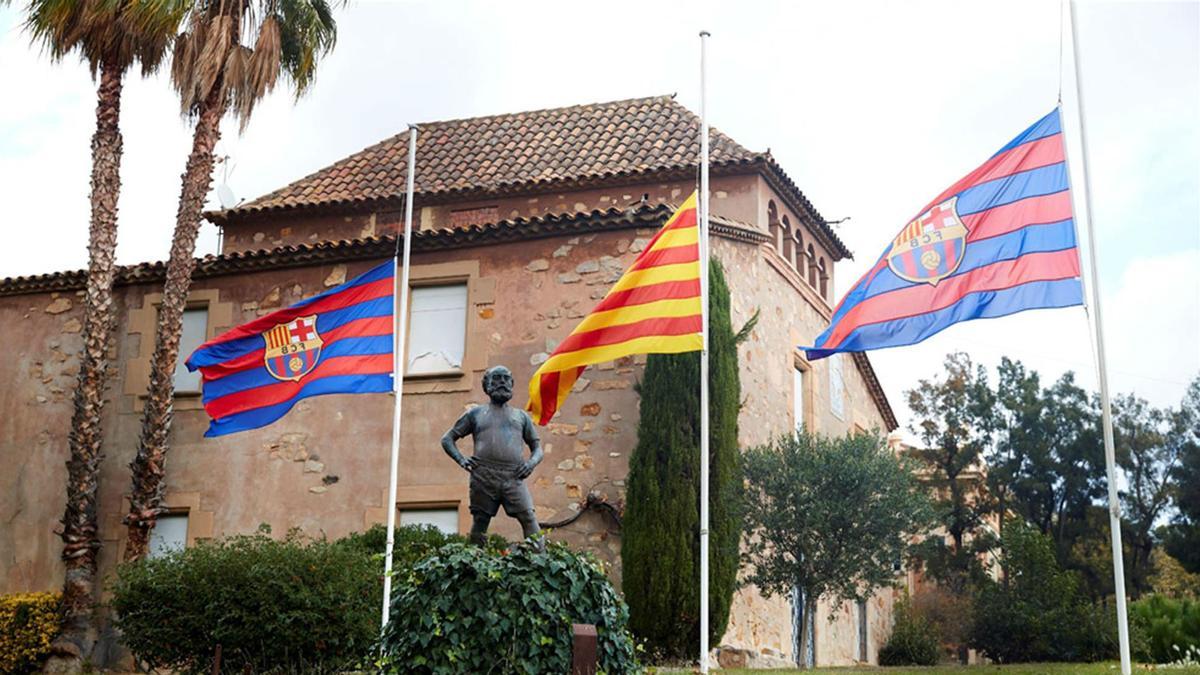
(997, 242)
(339, 342)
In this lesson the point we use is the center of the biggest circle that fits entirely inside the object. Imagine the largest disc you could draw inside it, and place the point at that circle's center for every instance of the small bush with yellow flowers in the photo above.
(29, 622)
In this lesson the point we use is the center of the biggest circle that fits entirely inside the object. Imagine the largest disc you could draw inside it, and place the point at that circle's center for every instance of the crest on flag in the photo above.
(930, 248)
(293, 348)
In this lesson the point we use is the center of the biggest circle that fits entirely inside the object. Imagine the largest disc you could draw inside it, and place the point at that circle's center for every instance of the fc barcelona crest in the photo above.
(931, 247)
(293, 348)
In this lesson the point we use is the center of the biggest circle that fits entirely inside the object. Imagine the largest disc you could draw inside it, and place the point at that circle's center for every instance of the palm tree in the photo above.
(110, 36)
(214, 73)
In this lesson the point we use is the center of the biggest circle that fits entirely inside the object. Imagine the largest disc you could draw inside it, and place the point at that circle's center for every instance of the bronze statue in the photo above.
(498, 467)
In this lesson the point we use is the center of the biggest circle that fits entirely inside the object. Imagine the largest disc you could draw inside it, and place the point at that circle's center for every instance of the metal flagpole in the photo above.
(702, 217)
(1096, 325)
(400, 301)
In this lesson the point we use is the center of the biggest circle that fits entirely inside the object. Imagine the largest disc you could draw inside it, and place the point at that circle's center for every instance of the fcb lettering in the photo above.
(999, 241)
(339, 342)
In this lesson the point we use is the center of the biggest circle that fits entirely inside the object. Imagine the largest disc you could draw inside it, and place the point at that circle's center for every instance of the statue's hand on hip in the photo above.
(468, 463)
(526, 469)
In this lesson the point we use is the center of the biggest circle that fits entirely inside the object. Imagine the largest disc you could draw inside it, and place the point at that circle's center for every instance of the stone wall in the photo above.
(319, 468)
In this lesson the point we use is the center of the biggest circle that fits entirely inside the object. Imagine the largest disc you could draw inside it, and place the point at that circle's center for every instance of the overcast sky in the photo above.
(873, 108)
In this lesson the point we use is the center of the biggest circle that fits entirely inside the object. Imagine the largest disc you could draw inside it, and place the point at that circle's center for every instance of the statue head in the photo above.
(498, 384)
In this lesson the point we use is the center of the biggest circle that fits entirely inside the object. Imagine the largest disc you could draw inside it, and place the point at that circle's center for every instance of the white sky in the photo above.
(871, 107)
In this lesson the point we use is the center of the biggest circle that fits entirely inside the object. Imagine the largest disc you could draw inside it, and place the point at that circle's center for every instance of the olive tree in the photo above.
(829, 516)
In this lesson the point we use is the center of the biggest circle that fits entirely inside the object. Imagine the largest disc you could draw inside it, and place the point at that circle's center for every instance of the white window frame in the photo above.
(193, 383)
(166, 524)
(419, 351)
(799, 382)
(446, 519)
(837, 386)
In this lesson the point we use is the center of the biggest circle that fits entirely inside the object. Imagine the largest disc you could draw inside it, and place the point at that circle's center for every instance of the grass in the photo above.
(1111, 668)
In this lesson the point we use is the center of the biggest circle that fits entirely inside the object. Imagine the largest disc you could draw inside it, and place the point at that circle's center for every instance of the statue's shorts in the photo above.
(494, 484)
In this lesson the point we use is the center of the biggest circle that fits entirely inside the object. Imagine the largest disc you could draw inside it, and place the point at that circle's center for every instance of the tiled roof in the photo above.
(601, 139)
(516, 229)
(527, 151)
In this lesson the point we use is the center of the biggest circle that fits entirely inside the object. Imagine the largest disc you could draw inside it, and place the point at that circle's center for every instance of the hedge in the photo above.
(29, 622)
(273, 605)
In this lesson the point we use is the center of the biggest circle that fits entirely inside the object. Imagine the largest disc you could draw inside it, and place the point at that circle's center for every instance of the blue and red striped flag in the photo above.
(338, 342)
(999, 241)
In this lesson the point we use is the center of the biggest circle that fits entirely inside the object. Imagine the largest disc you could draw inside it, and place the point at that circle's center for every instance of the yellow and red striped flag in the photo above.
(654, 308)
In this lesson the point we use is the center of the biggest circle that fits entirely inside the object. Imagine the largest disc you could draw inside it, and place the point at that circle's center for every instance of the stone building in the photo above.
(524, 220)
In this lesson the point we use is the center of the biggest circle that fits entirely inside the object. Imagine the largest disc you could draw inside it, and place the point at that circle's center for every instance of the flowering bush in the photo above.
(29, 622)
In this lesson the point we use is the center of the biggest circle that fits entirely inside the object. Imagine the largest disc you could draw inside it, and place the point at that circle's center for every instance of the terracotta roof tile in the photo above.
(602, 139)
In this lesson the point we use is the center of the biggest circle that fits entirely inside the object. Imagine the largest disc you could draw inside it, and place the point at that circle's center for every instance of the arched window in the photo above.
(812, 266)
(773, 226)
(789, 243)
(824, 279)
(798, 263)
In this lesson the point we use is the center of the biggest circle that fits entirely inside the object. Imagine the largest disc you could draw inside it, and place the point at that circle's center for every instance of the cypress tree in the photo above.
(660, 551)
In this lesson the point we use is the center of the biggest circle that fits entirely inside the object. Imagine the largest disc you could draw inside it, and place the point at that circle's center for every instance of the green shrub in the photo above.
(1171, 627)
(468, 610)
(1037, 611)
(29, 622)
(914, 640)
(292, 605)
(412, 543)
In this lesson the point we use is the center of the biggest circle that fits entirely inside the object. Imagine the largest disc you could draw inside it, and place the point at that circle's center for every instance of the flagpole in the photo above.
(702, 217)
(1096, 325)
(400, 309)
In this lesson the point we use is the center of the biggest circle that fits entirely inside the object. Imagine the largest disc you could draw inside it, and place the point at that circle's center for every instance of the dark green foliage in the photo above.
(829, 515)
(914, 640)
(660, 551)
(953, 416)
(468, 610)
(1182, 537)
(1037, 612)
(291, 605)
(412, 543)
(1171, 627)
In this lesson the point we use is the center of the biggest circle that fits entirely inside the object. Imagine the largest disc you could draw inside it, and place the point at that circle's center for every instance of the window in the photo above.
(798, 398)
(824, 278)
(437, 329)
(195, 327)
(812, 267)
(169, 534)
(837, 387)
(445, 520)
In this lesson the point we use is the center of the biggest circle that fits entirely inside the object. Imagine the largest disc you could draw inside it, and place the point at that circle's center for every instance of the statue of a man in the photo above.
(498, 466)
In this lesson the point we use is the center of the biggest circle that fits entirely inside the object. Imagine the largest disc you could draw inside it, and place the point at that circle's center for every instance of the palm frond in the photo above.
(116, 32)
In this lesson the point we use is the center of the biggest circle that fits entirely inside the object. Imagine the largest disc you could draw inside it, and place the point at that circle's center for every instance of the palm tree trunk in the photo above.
(148, 467)
(80, 530)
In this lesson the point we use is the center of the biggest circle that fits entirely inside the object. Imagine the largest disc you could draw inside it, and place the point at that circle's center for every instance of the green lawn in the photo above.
(1025, 669)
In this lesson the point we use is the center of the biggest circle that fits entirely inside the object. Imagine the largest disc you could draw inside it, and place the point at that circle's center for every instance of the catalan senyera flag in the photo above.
(654, 308)
(999, 241)
(338, 342)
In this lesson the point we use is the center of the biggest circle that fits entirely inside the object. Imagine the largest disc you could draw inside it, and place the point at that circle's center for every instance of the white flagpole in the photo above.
(1096, 325)
(702, 217)
(400, 301)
